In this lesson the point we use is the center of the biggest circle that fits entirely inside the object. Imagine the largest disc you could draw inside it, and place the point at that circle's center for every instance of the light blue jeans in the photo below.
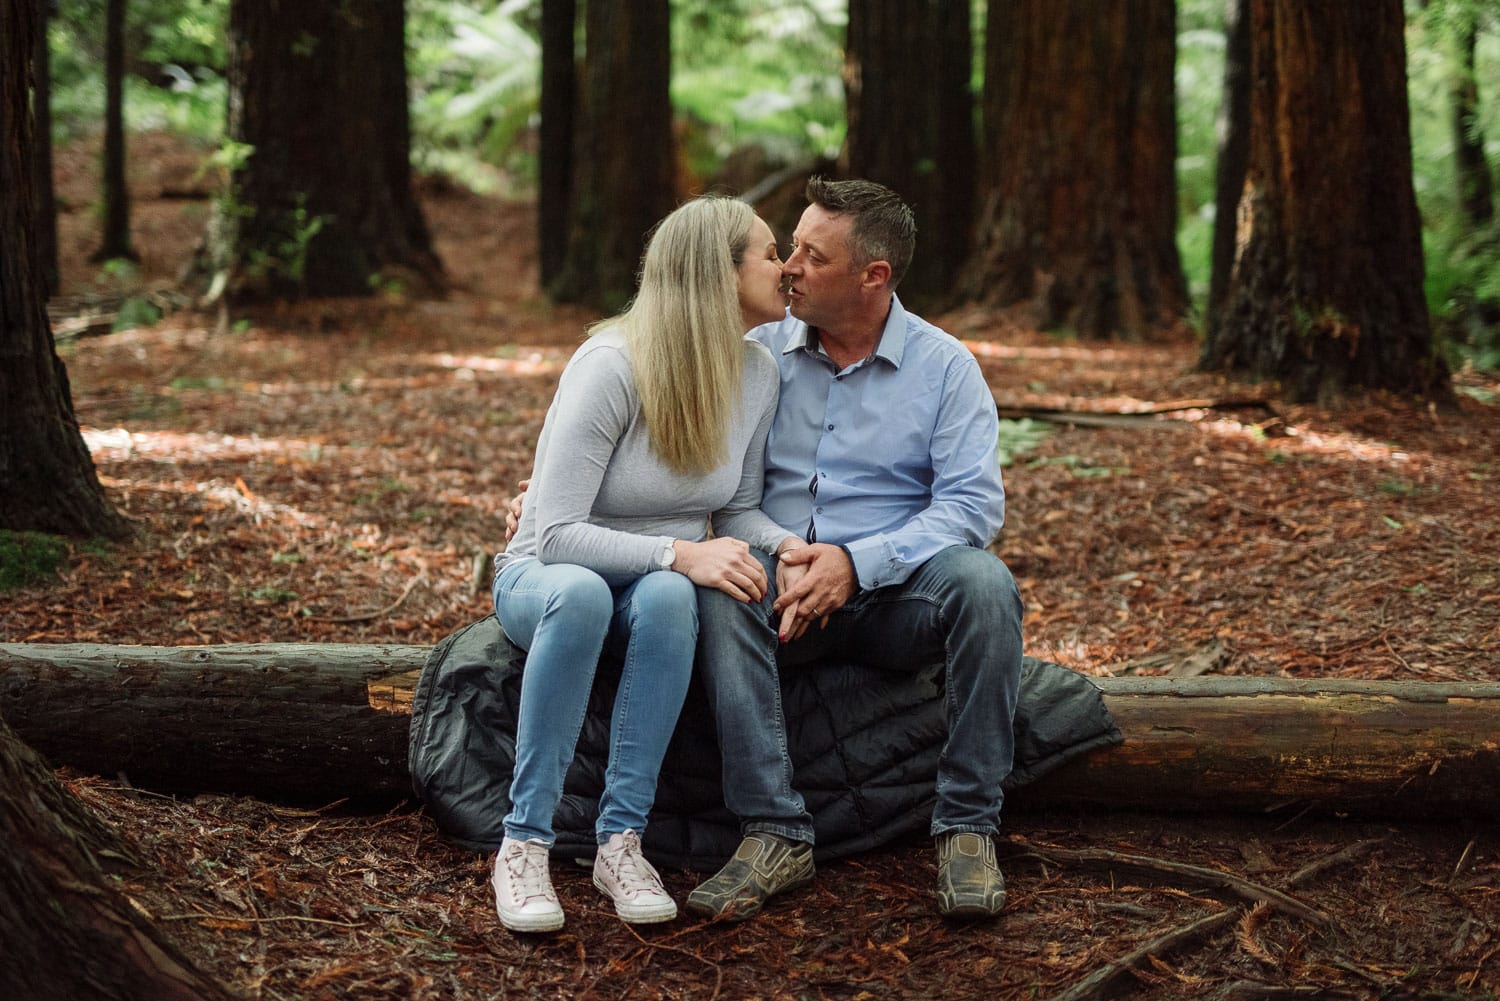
(564, 616)
(960, 609)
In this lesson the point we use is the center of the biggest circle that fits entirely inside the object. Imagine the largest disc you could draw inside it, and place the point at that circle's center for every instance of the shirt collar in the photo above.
(892, 346)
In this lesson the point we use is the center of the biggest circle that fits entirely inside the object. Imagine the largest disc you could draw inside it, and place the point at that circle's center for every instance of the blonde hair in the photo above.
(686, 332)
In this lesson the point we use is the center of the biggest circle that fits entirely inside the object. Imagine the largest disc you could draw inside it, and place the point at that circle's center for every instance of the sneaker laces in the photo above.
(526, 866)
(630, 867)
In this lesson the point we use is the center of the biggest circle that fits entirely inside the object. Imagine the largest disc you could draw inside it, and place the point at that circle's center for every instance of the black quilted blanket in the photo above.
(864, 747)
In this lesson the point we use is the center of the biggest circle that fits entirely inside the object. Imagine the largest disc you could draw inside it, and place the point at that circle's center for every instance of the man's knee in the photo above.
(973, 575)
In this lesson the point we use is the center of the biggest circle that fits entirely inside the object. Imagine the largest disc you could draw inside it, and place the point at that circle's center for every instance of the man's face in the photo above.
(823, 282)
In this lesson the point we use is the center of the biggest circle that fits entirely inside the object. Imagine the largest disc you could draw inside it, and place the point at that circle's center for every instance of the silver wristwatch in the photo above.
(667, 558)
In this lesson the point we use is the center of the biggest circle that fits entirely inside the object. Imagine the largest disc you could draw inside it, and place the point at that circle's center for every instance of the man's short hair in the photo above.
(884, 228)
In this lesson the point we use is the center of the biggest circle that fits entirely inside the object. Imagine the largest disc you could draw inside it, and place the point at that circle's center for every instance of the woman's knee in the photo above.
(578, 596)
(665, 596)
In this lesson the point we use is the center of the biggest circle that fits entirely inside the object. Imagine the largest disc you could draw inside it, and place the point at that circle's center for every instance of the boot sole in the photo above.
(530, 922)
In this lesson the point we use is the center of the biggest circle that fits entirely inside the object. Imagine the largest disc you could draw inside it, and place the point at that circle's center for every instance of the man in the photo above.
(882, 460)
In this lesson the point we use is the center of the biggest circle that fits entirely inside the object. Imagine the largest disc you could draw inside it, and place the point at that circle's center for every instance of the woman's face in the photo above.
(761, 298)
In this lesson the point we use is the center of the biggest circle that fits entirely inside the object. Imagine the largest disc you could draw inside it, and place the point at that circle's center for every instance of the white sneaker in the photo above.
(622, 873)
(523, 888)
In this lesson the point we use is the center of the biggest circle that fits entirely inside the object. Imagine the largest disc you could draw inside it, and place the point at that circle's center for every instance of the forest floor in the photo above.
(333, 471)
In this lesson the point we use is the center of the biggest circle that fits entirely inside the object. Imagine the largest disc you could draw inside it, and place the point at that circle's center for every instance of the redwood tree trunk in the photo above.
(555, 139)
(911, 126)
(68, 932)
(1080, 192)
(623, 178)
(1326, 289)
(1471, 166)
(116, 236)
(47, 480)
(323, 203)
(41, 151)
(1234, 148)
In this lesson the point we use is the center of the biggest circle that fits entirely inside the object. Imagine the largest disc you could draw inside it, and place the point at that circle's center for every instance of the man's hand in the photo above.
(513, 512)
(817, 580)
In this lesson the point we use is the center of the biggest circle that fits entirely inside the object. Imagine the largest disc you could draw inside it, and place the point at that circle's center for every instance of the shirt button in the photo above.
(830, 427)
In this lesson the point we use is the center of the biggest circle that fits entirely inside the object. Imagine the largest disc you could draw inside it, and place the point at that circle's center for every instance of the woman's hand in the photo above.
(513, 511)
(725, 564)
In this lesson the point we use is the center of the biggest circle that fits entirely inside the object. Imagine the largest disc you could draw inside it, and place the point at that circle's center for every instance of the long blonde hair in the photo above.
(686, 331)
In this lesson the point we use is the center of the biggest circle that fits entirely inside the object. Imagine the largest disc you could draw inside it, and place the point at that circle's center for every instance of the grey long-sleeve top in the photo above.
(601, 498)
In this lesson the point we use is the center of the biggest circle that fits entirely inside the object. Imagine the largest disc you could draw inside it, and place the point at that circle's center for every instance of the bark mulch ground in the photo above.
(336, 471)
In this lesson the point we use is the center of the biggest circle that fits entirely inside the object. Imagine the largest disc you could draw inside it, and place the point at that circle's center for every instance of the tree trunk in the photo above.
(911, 127)
(623, 178)
(321, 200)
(1471, 166)
(315, 723)
(68, 932)
(41, 152)
(555, 139)
(1325, 294)
(1079, 189)
(1234, 149)
(47, 480)
(116, 216)
(279, 721)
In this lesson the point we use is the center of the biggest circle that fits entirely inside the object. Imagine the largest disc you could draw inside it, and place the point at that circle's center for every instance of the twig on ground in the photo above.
(1211, 878)
(1346, 854)
(367, 616)
(1102, 981)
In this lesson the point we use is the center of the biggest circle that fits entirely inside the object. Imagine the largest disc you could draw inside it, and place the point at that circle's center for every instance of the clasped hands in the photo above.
(813, 580)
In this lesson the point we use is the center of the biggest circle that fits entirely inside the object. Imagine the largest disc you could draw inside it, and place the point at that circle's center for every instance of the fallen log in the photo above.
(325, 722)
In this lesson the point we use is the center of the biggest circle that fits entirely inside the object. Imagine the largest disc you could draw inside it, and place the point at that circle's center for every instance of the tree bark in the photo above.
(1233, 153)
(911, 127)
(41, 152)
(47, 480)
(1471, 166)
(316, 723)
(321, 201)
(68, 932)
(115, 242)
(623, 181)
(1326, 291)
(555, 136)
(1079, 190)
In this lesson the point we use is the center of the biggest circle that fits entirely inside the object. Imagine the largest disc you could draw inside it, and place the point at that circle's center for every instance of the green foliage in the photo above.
(1200, 92)
(28, 558)
(175, 66)
(1018, 438)
(760, 73)
(475, 86)
(1463, 263)
(136, 311)
(1079, 467)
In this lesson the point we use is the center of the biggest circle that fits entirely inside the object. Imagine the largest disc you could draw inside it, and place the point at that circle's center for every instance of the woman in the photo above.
(659, 422)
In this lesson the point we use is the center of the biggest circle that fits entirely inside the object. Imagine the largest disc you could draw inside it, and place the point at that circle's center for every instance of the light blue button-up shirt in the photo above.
(903, 446)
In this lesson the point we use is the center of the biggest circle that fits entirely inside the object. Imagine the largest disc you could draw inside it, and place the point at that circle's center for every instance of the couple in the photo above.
(844, 452)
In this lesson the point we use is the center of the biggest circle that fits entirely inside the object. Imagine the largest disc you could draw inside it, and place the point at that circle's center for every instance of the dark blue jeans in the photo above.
(960, 609)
